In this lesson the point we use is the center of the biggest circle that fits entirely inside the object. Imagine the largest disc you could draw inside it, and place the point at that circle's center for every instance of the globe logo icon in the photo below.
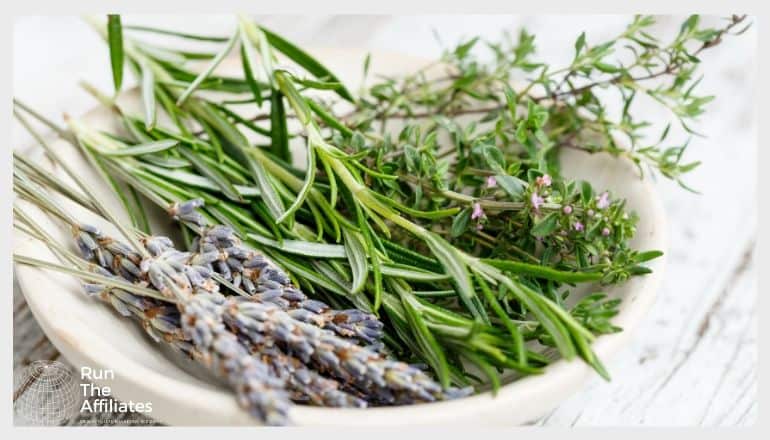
(46, 394)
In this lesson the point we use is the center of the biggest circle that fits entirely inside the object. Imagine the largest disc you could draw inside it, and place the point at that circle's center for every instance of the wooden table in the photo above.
(693, 362)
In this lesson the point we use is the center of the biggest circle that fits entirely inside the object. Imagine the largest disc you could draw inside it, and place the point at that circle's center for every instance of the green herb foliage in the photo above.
(437, 201)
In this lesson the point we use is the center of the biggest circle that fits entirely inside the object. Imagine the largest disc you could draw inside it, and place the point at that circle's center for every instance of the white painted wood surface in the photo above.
(694, 360)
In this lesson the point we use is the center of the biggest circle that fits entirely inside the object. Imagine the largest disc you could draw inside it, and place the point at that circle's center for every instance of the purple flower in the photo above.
(567, 209)
(606, 232)
(537, 201)
(479, 226)
(604, 200)
(578, 226)
(545, 180)
(491, 182)
(477, 212)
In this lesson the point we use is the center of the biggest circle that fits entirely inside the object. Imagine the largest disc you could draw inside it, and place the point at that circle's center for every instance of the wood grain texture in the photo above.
(694, 360)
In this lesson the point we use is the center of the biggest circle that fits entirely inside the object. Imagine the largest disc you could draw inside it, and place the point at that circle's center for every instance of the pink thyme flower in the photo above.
(477, 212)
(604, 201)
(567, 209)
(491, 182)
(544, 180)
(479, 226)
(606, 232)
(578, 226)
(537, 201)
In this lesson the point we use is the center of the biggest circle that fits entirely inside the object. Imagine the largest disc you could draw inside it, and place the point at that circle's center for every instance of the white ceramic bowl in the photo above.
(90, 334)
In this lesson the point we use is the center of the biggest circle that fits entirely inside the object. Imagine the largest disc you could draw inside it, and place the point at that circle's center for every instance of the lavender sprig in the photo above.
(115, 260)
(265, 323)
(306, 384)
(385, 381)
(258, 390)
(220, 249)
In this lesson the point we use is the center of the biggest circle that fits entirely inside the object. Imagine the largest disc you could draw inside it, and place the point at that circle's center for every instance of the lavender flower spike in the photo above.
(195, 326)
(385, 380)
(308, 385)
(257, 390)
(220, 250)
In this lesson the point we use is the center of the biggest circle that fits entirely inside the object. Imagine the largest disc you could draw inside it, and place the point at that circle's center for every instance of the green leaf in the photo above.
(690, 24)
(269, 194)
(237, 118)
(435, 214)
(543, 272)
(356, 254)
(513, 329)
(328, 119)
(580, 43)
(639, 270)
(521, 131)
(425, 339)
(510, 100)
(303, 59)
(141, 149)
(148, 96)
(586, 192)
(546, 226)
(460, 223)
(462, 50)
(183, 177)
(410, 273)
(163, 54)
(318, 85)
(455, 267)
(606, 68)
(176, 34)
(249, 62)
(492, 156)
(513, 186)
(367, 63)
(296, 100)
(209, 69)
(641, 257)
(212, 173)
(300, 247)
(279, 132)
(239, 147)
(115, 41)
(539, 306)
(374, 258)
(141, 214)
(307, 185)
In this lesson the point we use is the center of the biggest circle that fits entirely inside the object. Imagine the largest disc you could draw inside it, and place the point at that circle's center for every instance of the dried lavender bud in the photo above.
(258, 391)
(307, 386)
(388, 381)
(260, 277)
(186, 211)
(163, 323)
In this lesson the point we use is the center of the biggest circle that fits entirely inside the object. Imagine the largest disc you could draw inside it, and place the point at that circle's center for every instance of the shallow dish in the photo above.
(90, 334)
